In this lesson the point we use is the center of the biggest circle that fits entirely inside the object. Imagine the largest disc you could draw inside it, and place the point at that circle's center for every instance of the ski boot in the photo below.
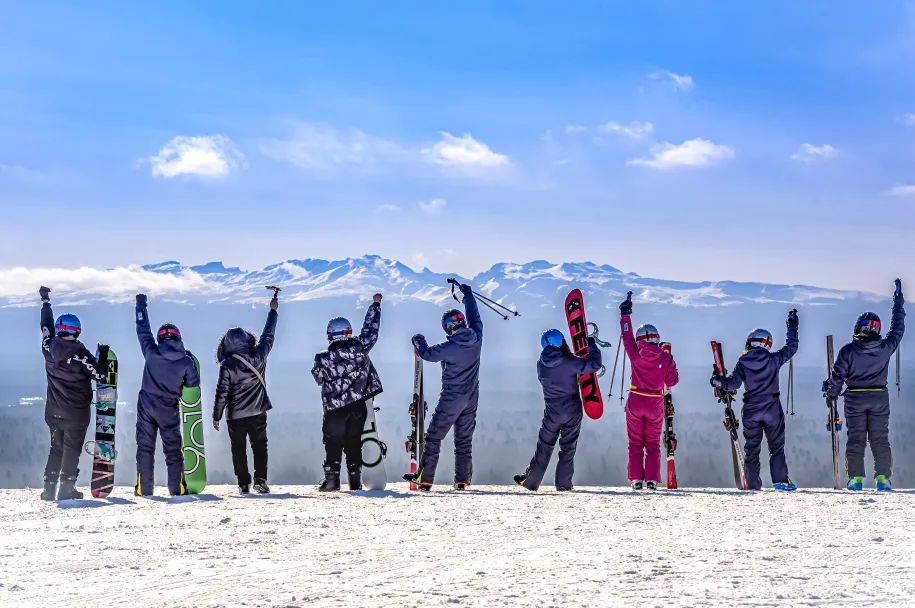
(416, 478)
(244, 488)
(883, 483)
(521, 480)
(355, 477)
(331, 478)
(68, 489)
(651, 485)
(182, 489)
(855, 484)
(785, 486)
(564, 488)
(461, 485)
(50, 487)
(637, 484)
(261, 487)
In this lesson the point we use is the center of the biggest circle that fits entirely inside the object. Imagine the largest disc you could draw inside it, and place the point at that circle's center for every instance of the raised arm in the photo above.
(473, 312)
(628, 337)
(897, 325)
(265, 344)
(47, 321)
(369, 334)
(95, 369)
(144, 331)
(791, 340)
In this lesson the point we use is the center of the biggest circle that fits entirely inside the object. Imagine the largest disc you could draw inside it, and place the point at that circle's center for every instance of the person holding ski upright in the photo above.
(168, 369)
(348, 382)
(459, 355)
(558, 370)
(862, 366)
(653, 372)
(70, 369)
(757, 370)
(241, 395)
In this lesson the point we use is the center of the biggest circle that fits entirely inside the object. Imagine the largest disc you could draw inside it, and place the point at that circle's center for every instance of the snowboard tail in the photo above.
(374, 476)
(591, 398)
(104, 453)
(191, 411)
(730, 421)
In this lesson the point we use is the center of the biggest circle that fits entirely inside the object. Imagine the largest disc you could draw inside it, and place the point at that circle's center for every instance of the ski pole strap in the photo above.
(644, 393)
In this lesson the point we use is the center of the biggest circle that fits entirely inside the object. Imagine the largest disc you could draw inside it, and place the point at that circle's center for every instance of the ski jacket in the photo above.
(344, 371)
(863, 364)
(757, 370)
(459, 354)
(239, 391)
(558, 371)
(653, 370)
(168, 369)
(70, 368)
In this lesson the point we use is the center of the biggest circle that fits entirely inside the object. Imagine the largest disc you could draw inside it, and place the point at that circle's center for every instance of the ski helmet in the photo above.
(649, 333)
(68, 325)
(453, 320)
(552, 337)
(168, 332)
(759, 338)
(339, 328)
(868, 325)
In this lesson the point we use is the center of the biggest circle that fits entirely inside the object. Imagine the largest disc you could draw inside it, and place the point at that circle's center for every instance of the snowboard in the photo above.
(591, 398)
(103, 450)
(416, 441)
(670, 438)
(191, 411)
(374, 451)
(833, 422)
(730, 420)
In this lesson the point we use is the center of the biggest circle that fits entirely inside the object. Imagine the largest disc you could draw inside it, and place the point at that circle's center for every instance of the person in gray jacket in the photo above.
(348, 380)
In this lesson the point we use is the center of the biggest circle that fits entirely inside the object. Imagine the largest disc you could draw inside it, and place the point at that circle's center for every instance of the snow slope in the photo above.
(491, 546)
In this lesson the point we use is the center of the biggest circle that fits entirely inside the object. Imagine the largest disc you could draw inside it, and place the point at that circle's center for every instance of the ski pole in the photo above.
(615, 361)
(898, 369)
(489, 302)
(791, 386)
(486, 304)
(623, 381)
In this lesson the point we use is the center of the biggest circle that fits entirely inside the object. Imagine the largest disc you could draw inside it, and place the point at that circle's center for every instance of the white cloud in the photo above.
(462, 152)
(19, 172)
(908, 119)
(576, 129)
(434, 205)
(634, 130)
(692, 153)
(320, 147)
(207, 156)
(902, 190)
(683, 82)
(809, 153)
(389, 208)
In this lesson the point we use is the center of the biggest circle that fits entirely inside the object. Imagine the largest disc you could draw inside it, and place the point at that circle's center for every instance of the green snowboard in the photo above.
(195, 462)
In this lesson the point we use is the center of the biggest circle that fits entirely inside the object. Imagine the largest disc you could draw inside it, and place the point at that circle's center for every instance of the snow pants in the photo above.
(459, 411)
(343, 434)
(768, 420)
(254, 429)
(644, 420)
(562, 422)
(153, 418)
(867, 418)
(66, 447)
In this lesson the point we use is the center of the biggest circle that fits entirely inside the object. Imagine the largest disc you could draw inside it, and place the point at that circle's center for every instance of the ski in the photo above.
(103, 450)
(833, 422)
(195, 470)
(670, 438)
(416, 441)
(591, 398)
(730, 420)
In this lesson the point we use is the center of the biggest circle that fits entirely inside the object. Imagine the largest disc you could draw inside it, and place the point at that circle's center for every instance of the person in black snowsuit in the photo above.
(862, 367)
(457, 404)
(558, 370)
(348, 382)
(757, 370)
(241, 394)
(168, 369)
(70, 369)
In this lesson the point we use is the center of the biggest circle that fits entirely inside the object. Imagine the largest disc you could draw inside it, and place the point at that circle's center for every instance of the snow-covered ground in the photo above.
(491, 546)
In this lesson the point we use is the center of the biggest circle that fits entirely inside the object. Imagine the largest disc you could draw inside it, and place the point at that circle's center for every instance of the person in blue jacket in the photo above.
(558, 370)
(757, 370)
(862, 367)
(457, 404)
(168, 369)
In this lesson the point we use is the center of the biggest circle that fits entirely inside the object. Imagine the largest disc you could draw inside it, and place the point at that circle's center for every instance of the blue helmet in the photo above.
(759, 338)
(648, 333)
(453, 320)
(68, 325)
(868, 325)
(339, 329)
(552, 337)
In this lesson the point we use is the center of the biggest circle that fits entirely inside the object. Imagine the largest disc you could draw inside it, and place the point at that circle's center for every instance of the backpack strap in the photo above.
(253, 369)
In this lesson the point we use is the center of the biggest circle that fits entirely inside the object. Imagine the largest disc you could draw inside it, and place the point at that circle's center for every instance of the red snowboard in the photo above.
(578, 329)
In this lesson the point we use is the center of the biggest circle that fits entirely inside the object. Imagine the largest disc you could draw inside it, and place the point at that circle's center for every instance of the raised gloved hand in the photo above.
(793, 320)
(103, 353)
(141, 299)
(44, 292)
(626, 307)
(898, 292)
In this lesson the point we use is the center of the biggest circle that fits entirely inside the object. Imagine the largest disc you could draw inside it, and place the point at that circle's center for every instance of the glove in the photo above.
(717, 381)
(417, 339)
(465, 288)
(103, 353)
(898, 293)
(825, 388)
(141, 299)
(792, 319)
(44, 293)
(626, 308)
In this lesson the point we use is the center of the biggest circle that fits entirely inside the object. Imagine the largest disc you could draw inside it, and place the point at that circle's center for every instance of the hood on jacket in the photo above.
(64, 349)
(349, 349)
(650, 351)
(755, 359)
(464, 337)
(552, 356)
(173, 350)
(867, 343)
(236, 340)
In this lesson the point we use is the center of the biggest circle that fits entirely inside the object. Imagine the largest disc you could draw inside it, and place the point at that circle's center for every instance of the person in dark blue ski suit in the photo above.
(862, 366)
(457, 404)
(757, 370)
(558, 370)
(168, 369)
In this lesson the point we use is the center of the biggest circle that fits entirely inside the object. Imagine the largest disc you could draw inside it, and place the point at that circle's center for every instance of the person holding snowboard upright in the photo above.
(168, 369)
(861, 366)
(348, 380)
(757, 370)
(241, 394)
(70, 369)
(457, 404)
(653, 372)
(558, 370)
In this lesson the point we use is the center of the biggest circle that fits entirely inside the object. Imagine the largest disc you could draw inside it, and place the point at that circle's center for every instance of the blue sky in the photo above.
(771, 141)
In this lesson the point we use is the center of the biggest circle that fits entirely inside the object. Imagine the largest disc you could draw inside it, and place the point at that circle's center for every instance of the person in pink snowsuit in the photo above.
(653, 372)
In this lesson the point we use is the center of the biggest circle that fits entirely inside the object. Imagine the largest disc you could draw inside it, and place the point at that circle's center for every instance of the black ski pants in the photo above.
(867, 418)
(66, 445)
(343, 433)
(254, 429)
